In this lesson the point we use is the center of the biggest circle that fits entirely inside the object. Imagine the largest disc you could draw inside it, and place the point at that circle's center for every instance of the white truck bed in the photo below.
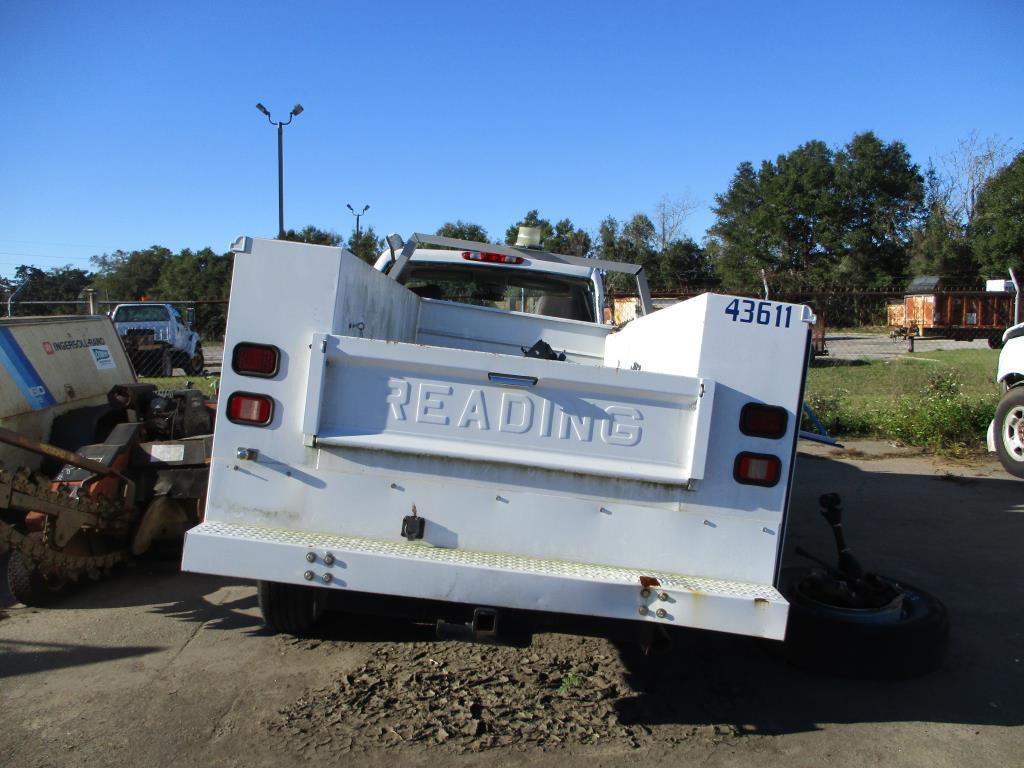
(565, 487)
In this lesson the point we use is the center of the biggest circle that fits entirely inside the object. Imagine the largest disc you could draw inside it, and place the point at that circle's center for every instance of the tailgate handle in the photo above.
(511, 380)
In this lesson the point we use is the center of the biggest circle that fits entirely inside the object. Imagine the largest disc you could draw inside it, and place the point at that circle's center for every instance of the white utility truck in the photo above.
(158, 339)
(463, 437)
(1006, 432)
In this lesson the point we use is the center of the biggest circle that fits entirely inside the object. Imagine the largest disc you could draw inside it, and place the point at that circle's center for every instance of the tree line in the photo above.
(862, 216)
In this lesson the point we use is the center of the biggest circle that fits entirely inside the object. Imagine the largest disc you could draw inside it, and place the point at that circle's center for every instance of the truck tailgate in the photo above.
(561, 416)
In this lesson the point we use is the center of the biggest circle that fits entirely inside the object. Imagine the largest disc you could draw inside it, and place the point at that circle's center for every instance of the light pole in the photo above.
(296, 110)
(357, 215)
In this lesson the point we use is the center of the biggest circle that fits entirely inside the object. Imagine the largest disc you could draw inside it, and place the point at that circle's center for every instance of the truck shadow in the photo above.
(955, 535)
(711, 679)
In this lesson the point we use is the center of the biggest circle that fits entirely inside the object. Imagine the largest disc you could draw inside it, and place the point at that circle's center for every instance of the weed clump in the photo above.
(941, 416)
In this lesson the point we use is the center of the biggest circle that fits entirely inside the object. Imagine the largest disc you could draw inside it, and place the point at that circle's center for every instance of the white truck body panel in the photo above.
(1011, 358)
(1009, 370)
(545, 485)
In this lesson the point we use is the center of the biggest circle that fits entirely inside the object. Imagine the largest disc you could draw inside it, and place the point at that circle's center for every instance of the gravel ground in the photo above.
(471, 698)
(155, 667)
(873, 346)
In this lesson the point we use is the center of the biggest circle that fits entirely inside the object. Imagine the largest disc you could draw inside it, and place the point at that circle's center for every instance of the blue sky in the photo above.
(130, 124)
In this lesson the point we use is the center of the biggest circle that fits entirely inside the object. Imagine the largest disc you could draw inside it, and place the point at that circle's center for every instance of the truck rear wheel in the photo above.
(288, 608)
(1009, 431)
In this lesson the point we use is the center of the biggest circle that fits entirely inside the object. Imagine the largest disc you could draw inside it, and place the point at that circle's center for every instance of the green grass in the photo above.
(941, 400)
(205, 384)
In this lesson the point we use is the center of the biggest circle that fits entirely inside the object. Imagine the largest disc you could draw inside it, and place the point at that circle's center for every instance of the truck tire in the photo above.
(844, 642)
(1009, 431)
(288, 608)
(195, 364)
(30, 586)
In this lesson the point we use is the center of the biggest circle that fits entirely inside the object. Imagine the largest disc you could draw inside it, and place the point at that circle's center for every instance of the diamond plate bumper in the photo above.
(415, 569)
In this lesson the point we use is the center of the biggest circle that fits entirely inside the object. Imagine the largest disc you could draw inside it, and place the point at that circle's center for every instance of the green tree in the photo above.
(562, 237)
(740, 234)
(463, 230)
(682, 263)
(781, 218)
(531, 219)
(638, 245)
(939, 246)
(566, 239)
(880, 195)
(815, 217)
(634, 243)
(311, 234)
(203, 277)
(55, 285)
(367, 246)
(610, 247)
(997, 230)
(129, 275)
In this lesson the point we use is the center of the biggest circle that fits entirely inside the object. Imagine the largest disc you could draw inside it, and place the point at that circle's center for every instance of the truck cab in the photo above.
(513, 283)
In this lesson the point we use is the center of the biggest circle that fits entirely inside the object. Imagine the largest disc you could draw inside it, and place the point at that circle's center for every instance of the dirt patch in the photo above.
(563, 691)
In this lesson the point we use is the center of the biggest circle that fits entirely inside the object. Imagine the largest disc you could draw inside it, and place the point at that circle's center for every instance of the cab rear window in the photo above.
(518, 290)
(151, 314)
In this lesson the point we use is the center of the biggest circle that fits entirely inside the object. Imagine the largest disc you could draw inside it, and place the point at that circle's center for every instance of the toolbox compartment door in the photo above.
(479, 406)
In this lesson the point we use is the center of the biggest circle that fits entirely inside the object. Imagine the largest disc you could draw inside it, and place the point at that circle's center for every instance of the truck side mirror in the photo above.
(190, 316)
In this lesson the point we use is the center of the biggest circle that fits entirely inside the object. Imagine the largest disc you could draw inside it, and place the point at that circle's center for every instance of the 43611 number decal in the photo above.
(759, 312)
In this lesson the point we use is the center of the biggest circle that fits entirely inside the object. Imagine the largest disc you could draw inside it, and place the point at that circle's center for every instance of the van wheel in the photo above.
(882, 644)
(288, 608)
(1009, 429)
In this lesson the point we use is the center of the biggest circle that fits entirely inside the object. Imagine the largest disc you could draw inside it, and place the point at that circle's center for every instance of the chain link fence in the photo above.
(162, 338)
(869, 360)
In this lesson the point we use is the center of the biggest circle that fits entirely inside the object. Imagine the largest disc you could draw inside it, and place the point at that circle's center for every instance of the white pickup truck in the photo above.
(1006, 432)
(158, 339)
(464, 437)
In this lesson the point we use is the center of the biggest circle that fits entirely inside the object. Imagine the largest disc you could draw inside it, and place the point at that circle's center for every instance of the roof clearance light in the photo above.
(261, 360)
(248, 408)
(494, 258)
(757, 420)
(757, 469)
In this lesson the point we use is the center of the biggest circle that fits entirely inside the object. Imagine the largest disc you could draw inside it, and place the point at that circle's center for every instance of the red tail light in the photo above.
(256, 359)
(759, 420)
(496, 258)
(247, 408)
(261, 360)
(757, 469)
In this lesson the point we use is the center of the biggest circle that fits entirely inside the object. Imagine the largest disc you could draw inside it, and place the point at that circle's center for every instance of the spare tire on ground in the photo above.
(903, 640)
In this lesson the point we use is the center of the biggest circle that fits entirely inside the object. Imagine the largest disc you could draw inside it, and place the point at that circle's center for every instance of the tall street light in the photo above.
(296, 110)
(357, 214)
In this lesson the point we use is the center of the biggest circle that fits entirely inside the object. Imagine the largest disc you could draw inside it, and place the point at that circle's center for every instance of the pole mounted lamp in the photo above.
(296, 110)
(358, 215)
